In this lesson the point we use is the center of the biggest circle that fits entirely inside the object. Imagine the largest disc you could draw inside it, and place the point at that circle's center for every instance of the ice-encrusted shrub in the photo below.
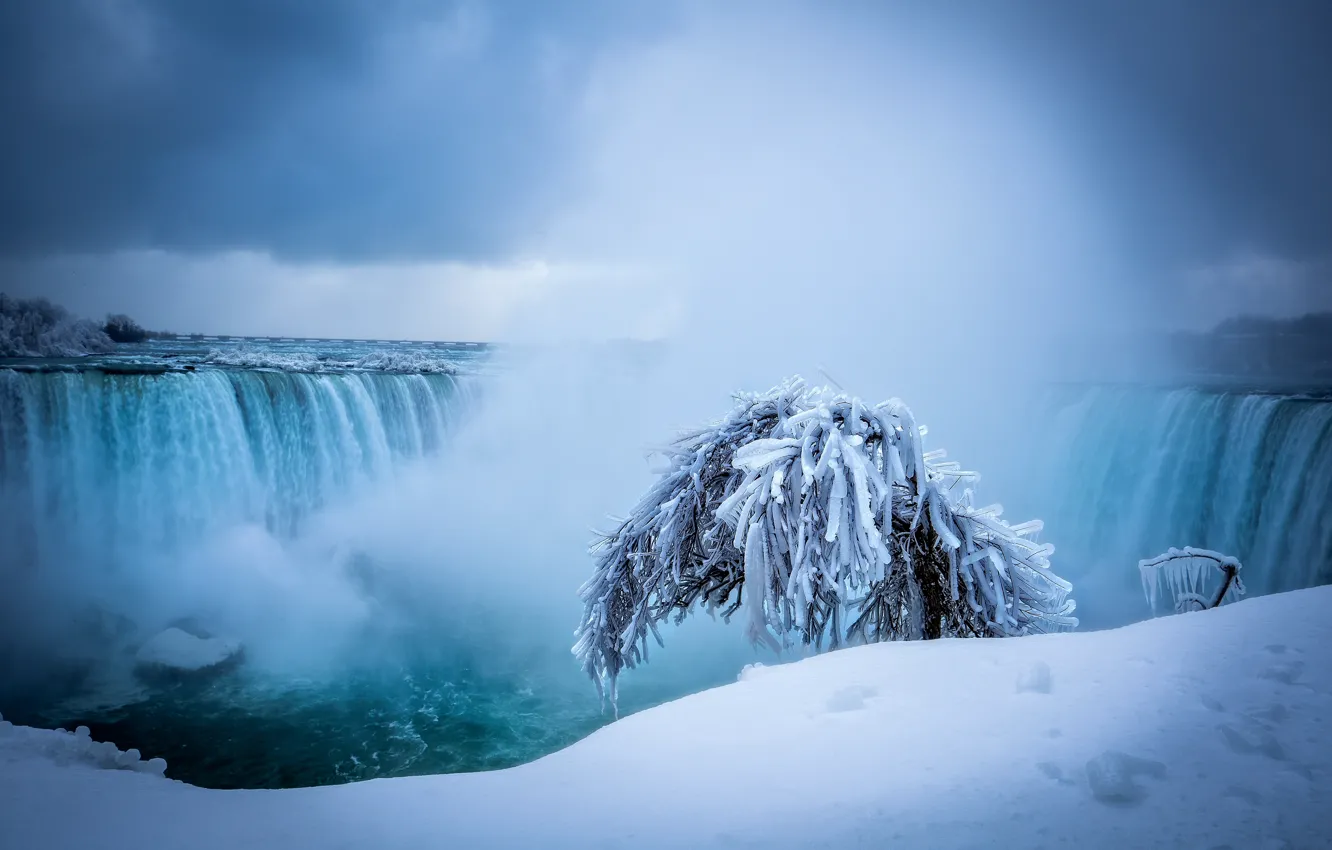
(821, 518)
(1196, 579)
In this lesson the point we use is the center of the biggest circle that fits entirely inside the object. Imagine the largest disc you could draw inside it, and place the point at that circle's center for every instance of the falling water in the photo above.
(1140, 470)
(128, 475)
(118, 464)
(102, 469)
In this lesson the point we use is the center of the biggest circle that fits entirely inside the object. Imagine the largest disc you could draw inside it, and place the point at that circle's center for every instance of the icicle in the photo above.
(756, 579)
(835, 498)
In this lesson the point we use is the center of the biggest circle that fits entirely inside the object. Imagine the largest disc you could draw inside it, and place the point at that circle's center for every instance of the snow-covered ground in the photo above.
(1209, 730)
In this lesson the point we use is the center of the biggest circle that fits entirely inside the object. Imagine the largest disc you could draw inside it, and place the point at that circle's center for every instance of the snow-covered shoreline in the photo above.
(1207, 729)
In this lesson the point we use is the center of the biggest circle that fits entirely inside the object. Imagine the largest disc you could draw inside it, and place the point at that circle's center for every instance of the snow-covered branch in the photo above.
(35, 327)
(819, 517)
(1187, 575)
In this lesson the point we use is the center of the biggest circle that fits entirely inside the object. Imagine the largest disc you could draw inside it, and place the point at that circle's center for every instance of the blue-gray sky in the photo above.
(346, 128)
(156, 146)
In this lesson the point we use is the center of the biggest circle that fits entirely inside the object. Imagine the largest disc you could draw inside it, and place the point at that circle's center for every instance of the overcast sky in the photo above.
(508, 170)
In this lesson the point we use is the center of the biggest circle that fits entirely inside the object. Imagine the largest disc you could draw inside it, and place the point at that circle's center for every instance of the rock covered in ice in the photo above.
(400, 362)
(176, 651)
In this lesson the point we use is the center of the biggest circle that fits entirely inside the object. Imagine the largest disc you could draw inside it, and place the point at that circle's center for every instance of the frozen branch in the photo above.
(1186, 574)
(815, 517)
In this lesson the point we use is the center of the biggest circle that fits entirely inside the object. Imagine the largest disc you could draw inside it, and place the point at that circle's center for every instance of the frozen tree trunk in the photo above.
(817, 518)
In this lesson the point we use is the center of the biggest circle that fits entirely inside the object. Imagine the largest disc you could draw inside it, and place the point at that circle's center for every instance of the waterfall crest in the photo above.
(126, 463)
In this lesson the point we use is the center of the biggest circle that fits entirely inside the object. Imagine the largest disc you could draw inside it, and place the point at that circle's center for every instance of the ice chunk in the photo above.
(176, 651)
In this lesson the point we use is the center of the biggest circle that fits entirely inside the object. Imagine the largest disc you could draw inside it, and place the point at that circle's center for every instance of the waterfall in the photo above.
(105, 465)
(1140, 470)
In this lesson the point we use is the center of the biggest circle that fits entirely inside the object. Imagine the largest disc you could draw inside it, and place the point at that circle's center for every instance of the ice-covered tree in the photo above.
(121, 328)
(34, 327)
(1196, 579)
(820, 519)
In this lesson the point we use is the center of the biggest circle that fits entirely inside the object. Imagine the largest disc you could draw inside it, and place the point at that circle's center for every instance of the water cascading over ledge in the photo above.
(116, 464)
(260, 505)
(1246, 473)
(113, 470)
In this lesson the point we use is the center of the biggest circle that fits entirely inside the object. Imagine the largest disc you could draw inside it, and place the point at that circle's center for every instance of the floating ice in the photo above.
(176, 651)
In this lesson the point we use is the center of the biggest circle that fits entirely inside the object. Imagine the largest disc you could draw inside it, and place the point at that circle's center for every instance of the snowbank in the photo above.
(1208, 729)
(61, 747)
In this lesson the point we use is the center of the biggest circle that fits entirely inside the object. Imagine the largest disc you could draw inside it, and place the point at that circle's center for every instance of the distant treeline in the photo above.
(121, 328)
(1259, 347)
(1310, 324)
(35, 327)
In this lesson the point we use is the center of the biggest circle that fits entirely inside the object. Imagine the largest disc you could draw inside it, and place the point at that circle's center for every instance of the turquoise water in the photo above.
(442, 715)
(119, 473)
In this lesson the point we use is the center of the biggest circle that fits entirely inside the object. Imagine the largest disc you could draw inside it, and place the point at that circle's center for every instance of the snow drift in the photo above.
(1204, 729)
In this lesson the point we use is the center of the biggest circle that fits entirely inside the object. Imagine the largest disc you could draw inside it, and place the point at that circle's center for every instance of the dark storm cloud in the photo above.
(1206, 122)
(332, 128)
(1232, 97)
(359, 129)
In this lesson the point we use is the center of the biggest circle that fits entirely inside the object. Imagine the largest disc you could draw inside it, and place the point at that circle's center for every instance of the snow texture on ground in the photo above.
(1207, 730)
